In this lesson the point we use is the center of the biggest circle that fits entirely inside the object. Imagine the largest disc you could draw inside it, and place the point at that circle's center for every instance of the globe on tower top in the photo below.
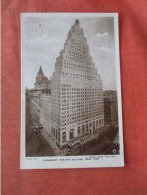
(77, 22)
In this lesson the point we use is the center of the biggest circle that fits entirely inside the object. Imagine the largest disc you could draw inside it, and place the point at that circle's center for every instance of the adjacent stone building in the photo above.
(35, 97)
(42, 82)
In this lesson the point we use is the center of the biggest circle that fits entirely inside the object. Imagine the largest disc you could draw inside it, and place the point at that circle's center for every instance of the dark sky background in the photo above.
(45, 37)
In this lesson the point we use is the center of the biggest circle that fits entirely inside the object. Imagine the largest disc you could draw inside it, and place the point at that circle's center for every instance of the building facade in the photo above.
(76, 92)
(110, 107)
(38, 102)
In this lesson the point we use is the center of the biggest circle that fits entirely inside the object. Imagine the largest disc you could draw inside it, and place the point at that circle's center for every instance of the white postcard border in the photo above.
(57, 162)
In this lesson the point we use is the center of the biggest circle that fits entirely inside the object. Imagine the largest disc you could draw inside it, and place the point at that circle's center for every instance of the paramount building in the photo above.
(74, 110)
(76, 91)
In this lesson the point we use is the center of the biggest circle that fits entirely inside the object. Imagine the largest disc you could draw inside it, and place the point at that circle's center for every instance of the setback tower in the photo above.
(76, 92)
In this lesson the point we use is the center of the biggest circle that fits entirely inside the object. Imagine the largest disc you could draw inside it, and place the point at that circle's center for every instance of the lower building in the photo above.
(110, 107)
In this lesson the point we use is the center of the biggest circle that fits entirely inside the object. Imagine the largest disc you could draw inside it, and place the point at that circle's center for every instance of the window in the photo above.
(79, 131)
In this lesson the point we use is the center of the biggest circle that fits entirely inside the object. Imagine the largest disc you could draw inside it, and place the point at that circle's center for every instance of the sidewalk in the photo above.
(52, 143)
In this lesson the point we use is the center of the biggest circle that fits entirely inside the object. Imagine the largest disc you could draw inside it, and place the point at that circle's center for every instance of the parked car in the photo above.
(68, 153)
(39, 127)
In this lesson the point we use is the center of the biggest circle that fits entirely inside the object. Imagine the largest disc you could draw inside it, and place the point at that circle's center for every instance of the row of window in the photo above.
(88, 60)
(82, 94)
(78, 55)
(66, 86)
(77, 44)
(88, 66)
(83, 90)
(80, 117)
(80, 97)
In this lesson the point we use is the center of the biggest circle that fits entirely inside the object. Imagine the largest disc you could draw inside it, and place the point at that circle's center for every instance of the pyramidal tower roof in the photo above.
(76, 31)
(40, 70)
(75, 60)
(77, 22)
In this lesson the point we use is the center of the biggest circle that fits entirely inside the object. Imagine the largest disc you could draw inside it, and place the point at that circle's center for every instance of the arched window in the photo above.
(102, 121)
(83, 129)
(71, 134)
(90, 131)
(78, 130)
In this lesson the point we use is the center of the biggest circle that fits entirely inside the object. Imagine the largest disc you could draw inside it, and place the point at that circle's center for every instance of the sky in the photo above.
(45, 37)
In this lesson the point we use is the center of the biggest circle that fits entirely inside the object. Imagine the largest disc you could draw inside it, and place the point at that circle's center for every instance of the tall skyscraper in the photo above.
(76, 92)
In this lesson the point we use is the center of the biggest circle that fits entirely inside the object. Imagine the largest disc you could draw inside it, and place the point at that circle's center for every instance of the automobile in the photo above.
(76, 145)
(82, 150)
(73, 149)
(68, 153)
(39, 127)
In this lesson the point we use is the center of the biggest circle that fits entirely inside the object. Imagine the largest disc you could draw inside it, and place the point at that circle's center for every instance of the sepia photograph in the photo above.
(71, 112)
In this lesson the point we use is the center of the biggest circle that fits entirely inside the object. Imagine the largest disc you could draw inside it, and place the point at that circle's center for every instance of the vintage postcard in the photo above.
(71, 113)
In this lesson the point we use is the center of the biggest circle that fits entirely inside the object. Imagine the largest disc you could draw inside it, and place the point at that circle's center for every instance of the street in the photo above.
(103, 145)
(36, 145)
